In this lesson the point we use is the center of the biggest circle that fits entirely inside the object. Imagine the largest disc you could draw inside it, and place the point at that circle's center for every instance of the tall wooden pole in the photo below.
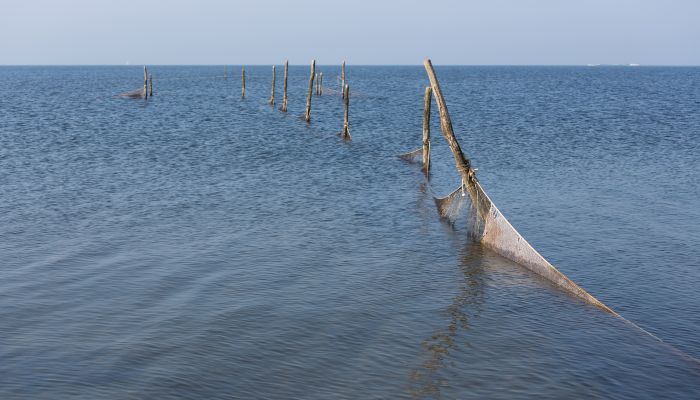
(426, 128)
(243, 83)
(307, 115)
(342, 79)
(150, 85)
(284, 96)
(463, 164)
(145, 82)
(274, 78)
(346, 119)
(320, 84)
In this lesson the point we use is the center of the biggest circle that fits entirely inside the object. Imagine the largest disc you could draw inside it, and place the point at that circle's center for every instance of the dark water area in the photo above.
(198, 245)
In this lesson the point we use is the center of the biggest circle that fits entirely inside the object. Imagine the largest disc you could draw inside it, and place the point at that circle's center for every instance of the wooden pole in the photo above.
(426, 128)
(284, 96)
(346, 120)
(274, 78)
(243, 83)
(307, 115)
(342, 79)
(320, 84)
(463, 164)
(150, 85)
(145, 82)
(225, 72)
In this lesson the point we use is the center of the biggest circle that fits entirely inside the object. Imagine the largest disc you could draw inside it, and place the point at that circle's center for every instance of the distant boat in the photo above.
(633, 65)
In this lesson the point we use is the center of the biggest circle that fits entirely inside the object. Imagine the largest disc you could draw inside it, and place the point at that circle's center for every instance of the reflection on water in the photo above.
(427, 380)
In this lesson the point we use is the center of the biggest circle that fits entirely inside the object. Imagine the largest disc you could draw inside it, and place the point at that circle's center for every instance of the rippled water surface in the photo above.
(203, 246)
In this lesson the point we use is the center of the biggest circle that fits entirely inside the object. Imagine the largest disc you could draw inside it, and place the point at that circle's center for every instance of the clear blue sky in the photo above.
(665, 32)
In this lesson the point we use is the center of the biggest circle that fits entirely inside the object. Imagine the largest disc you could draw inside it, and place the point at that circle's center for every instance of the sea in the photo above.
(201, 245)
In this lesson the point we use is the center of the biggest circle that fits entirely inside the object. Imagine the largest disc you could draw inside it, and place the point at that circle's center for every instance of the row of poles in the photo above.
(315, 85)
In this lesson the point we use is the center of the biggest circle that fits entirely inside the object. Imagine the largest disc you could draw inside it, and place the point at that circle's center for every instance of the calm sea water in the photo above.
(203, 246)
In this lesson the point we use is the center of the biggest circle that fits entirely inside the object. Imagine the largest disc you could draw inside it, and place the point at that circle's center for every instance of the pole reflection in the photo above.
(427, 380)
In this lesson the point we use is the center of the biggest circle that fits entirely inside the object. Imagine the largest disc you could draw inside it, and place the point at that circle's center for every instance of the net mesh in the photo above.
(450, 207)
(413, 157)
(134, 94)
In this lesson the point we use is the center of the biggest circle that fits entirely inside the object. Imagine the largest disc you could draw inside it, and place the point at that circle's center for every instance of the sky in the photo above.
(462, 32)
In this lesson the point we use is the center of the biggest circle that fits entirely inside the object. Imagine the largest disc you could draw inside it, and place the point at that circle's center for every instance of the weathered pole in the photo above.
(284, 96)
(346, 119)
(320, 84)
(225, 72)
(317, 80)
(307, 115)
(150, 85)
(342, 79)
(426, 128)
(145, 82)
(274, 78)
(243, 82)
(463, 164)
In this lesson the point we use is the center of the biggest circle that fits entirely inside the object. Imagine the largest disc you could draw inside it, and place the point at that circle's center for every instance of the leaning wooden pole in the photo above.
(145, 82)
(307, 115)
(150, 85)
(243, 82)
(284, 95)
(498, 234)
(346, 119)
(426, 129)
(274, 79)
(463, 164)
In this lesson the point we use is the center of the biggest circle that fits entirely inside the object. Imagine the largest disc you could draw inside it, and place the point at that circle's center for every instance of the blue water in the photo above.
(203, 246)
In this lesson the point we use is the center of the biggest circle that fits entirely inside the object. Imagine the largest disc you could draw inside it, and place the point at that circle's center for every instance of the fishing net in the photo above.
(413, 157)
(450, 207)
(488, 225)
(134, 94)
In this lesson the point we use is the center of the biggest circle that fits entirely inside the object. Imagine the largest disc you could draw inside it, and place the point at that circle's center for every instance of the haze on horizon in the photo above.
(497, 32)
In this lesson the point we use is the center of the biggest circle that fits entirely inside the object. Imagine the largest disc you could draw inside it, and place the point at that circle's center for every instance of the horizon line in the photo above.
(357, 65)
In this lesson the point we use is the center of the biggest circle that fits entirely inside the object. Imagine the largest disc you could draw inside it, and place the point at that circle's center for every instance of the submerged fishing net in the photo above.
(414, 157)
(134, 94)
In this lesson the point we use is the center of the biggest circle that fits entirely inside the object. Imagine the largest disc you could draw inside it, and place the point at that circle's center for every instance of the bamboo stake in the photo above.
(346, 120)
(307, 115)
(243, 83)
(342, 79)
(284, 96)
(426, 129)
(145, 82)
(274, 78)
(150, 85)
